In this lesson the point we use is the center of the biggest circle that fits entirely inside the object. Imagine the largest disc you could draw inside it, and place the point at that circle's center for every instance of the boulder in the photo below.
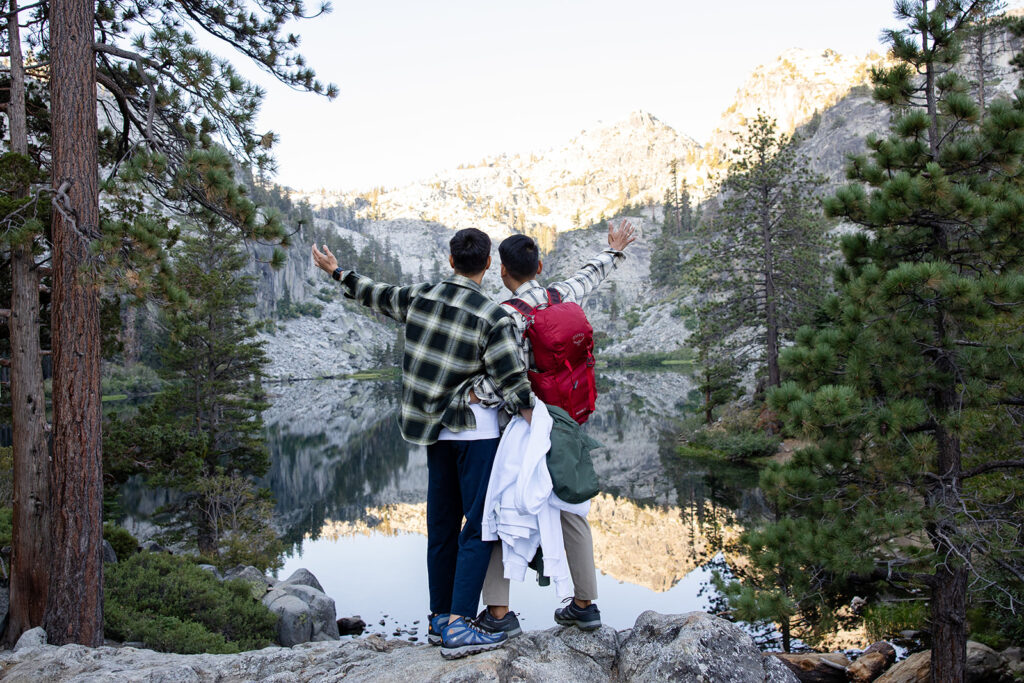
(872, 663)
(984, 665)
(321, 608)
(1014, 657)
(247, 573)
(294, 618)
(109, 556)
(304, 577)
(258, 582)
(815, 667)
(213, 570)
(34, 637)
(154, 547)
(695, 646)
(351, 626)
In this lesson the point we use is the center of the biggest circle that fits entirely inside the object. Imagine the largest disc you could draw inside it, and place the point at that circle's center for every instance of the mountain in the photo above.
(792, 89)
(610, 165)
(593, 175)
(821, 96)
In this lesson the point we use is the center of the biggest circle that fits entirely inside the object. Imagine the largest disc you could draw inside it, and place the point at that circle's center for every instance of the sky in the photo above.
(425, 86)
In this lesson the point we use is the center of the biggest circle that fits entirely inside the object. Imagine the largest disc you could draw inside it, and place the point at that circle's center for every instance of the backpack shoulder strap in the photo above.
(521, 306)
(554, 296)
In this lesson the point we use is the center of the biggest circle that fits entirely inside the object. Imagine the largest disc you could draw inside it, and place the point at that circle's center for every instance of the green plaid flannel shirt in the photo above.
(453, 335)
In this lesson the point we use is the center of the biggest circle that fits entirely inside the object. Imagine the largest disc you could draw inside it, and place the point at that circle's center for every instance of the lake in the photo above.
(351, 503)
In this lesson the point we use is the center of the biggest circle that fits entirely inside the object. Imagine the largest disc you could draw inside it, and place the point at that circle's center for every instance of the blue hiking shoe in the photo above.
(585, 618)
(435, 622)
(461, 638)
(508, 624)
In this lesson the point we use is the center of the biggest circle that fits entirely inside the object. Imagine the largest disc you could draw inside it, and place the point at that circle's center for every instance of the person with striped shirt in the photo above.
(520, 266)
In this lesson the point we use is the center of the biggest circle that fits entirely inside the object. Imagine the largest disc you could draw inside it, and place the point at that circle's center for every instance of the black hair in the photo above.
(520, 256)
(470, 251)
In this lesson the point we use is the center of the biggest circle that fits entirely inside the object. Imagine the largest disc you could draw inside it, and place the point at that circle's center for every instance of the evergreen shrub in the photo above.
(171, 605)
(120, 539)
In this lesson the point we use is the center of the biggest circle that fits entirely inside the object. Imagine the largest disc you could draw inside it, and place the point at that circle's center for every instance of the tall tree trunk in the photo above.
(929, 94)
(30, 557)
(980, 56)
(708, 411)
(771, 316)
(949, 583)
(949, 587)
(74, 610)
(787, 636)
(948, 624)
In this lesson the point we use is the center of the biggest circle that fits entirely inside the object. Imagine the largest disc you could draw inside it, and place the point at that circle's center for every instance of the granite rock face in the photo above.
(693, 646)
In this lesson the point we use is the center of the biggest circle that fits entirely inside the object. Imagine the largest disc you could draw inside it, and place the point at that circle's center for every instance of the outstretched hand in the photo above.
(622, 236)
(325, 260)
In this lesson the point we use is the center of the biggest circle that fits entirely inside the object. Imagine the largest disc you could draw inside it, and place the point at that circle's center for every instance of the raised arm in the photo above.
(598, 268)
(391, 300)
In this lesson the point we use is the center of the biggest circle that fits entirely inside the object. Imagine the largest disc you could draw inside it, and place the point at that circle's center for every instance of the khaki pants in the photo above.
(579, 553)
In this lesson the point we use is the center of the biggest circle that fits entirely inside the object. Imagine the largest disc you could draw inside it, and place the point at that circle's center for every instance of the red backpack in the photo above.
(563, 351)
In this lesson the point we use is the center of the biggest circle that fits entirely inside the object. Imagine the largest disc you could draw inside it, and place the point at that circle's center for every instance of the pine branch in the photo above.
(8, 15)
(140, 62)
(990, 466)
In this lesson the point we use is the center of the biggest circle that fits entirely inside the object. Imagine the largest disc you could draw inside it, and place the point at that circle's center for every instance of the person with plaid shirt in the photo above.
(454, 335)
(520, 266)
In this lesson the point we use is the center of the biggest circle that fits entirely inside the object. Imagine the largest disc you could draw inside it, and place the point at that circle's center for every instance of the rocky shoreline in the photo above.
(685, 647)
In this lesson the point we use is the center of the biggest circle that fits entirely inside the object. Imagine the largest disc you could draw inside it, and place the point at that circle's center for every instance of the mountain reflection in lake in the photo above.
(351, 500)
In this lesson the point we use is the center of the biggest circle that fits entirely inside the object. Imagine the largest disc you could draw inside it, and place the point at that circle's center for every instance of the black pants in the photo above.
(457, 558)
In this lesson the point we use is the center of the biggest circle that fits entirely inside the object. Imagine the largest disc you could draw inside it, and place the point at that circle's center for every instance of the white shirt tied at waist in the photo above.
(520, 509)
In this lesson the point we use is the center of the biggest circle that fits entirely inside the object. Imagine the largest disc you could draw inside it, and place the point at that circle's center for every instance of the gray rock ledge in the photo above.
(689, 647)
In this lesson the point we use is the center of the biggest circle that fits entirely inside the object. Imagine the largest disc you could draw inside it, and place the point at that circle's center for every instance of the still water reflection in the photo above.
(350, 500)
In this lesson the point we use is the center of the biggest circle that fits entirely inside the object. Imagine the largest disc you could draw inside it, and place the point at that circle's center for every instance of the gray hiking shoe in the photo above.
(585, 618)
(508, 624)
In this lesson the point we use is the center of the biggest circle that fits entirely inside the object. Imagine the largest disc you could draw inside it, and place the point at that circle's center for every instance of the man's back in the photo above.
(453, 335)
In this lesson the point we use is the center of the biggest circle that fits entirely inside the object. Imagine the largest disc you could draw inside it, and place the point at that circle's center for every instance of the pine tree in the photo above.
(74, 605)
(178, 110)
(24, 216)
(719, 360)
(912, 387)
(762, 258)
(678, 220)
(204, 430)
